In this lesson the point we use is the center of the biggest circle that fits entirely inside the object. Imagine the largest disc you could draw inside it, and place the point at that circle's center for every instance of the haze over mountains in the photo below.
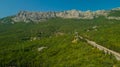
(27, 16)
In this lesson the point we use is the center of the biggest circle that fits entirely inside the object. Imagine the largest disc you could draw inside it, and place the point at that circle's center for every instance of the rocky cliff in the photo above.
(40, 16)
(33, 16)
(27, 16)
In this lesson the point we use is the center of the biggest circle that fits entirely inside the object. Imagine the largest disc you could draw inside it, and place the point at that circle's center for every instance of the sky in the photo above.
(12, 7)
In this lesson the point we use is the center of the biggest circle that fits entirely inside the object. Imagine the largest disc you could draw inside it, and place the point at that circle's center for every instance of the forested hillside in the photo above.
(49, 43)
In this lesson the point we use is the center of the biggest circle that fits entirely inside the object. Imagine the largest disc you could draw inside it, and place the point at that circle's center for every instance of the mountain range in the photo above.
(27, 16)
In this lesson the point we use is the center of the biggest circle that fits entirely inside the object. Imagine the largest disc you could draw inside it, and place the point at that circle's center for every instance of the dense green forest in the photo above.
(19, 43)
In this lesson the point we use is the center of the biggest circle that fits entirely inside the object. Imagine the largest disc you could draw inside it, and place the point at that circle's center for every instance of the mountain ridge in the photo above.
(27, 16)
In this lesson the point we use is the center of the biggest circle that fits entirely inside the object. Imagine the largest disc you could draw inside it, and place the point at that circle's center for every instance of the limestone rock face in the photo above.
(68, 14)
(81, 15)
(101, 13)
(33, 16)
(115, 18)
(26, 16)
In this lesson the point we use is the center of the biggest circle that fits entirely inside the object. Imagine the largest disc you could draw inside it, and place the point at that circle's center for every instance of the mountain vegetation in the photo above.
(50, 43)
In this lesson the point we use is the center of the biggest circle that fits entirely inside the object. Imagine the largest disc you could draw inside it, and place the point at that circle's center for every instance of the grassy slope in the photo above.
(107, 34)
(60, 52)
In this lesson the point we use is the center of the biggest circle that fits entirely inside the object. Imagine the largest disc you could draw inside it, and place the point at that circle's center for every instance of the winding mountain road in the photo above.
(102, 48)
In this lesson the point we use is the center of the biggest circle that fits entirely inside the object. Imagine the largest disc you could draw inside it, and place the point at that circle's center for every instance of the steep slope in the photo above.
(20, 43)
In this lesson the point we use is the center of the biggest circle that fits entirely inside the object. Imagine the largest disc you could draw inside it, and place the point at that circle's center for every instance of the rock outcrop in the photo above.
(33, 16)
(40, 16)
